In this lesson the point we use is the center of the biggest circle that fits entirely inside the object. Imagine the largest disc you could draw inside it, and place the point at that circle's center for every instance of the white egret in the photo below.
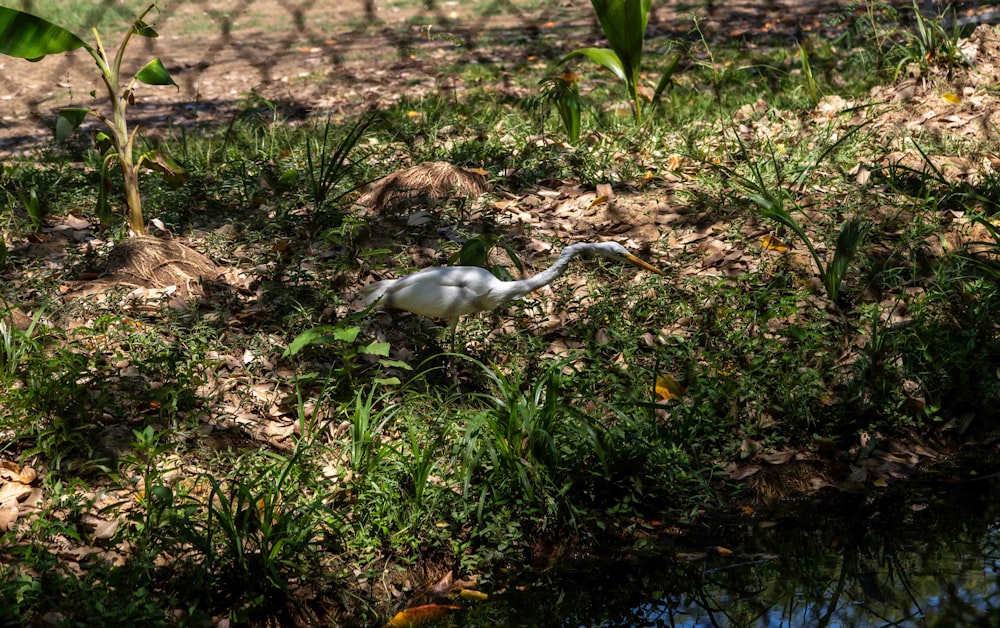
(452, 291)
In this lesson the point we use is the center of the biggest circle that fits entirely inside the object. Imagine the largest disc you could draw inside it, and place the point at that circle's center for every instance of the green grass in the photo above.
(294, 457)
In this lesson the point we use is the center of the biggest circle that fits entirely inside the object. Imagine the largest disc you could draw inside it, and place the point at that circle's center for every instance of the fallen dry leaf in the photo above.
(778, 457)
(420, 615)
(103, 529)
(472, 594)
(744, 472)
(8, 515)
(668, 388)
(600, 200)
(771, 243)
(13, 492)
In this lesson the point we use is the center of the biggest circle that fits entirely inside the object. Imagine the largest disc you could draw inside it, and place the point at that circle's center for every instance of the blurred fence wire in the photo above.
(338, 55)
(327, 55)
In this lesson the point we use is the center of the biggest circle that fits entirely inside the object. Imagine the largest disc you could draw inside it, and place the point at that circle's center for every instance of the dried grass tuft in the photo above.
(154, 263)
(432, 179)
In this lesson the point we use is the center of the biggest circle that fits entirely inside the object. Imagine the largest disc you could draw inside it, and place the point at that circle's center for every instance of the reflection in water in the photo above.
(926, 555)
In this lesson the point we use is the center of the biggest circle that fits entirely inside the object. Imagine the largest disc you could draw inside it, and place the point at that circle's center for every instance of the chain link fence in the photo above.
(337, 55)
(311, 55)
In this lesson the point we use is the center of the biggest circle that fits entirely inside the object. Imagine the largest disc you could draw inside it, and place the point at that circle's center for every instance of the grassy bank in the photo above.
(263, 446)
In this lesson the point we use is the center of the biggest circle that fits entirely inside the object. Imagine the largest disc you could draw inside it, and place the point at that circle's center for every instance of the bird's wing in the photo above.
(374, 291)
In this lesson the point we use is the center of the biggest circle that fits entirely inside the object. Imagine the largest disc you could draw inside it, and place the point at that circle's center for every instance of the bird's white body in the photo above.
(443, 292)
(453, 291)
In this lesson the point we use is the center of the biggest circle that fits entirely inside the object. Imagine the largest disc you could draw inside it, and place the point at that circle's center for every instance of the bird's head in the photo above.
(618, 252)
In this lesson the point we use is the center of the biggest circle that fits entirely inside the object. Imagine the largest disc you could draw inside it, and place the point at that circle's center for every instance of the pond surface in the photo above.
(925, 554)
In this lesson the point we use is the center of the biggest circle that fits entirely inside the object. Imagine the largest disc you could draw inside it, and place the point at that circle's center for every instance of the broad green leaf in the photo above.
(173, 173)
(387, 381)
(321, 335)
(155, 74)
(164, 495)
(397, 364)
(26, 36)
(304, 339)
(624, 24)
(142, 29)
(305, 378)
(70, 118)
(376, 348)
(501, 273)
(346, 334)
(104, 142)
(474, 253)
(602, 56)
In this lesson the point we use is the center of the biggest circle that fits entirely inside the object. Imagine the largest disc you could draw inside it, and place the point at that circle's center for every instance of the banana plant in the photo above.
(27, 36)
(624, 25)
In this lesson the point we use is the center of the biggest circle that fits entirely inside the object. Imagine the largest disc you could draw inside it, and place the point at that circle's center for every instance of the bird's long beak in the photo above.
(642, 264)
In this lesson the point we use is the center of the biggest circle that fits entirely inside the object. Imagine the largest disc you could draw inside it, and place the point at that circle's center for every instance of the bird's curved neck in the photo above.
(550, 274)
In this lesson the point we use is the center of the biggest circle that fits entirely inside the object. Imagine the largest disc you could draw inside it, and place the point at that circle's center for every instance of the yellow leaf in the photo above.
(668, 388)
(472, 594)
(954, 99)
(600, 200)
(771, 243)
(412, 114)
(880, 483)
(674, 163)
(420, 615)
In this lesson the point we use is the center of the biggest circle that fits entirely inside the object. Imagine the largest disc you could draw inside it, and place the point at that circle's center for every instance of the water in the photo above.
(926, 554)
